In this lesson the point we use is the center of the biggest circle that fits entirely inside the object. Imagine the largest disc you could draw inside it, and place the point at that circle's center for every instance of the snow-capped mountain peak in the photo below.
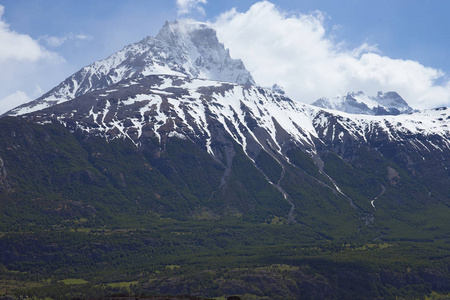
(389, 103)
(183, 48)
(206, 58)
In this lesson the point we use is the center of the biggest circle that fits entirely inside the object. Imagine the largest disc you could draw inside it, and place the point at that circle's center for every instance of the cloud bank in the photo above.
(296, 52)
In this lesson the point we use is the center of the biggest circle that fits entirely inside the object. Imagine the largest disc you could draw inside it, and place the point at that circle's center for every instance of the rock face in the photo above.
(389, 103)
(200, 53)
(4, 185)
(183, 48)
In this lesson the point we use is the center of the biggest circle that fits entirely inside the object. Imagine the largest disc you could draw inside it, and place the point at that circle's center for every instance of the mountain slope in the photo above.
(361, 165)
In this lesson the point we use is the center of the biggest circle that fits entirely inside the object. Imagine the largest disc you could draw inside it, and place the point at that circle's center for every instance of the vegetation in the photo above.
(84, 217)
(217, 258)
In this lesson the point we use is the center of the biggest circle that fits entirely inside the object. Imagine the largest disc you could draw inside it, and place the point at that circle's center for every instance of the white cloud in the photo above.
(187, 6)
(296, 51)
(18, 46)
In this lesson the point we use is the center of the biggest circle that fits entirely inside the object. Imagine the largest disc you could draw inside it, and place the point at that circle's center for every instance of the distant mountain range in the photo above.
(389, 103)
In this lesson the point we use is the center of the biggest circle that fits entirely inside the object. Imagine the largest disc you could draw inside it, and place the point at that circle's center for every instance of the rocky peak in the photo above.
(393, 100)
(179, 32)
(278, 89)
(205, 56)
(390, 103)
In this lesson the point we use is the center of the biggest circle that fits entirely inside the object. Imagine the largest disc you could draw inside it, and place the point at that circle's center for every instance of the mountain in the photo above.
(168, 170)
(389, 103)
(182, 87)
(184, 48)
(275, 137)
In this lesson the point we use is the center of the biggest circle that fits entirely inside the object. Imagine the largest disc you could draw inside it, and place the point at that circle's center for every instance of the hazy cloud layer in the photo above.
(57, 41)
(296, 51)
(187, 6)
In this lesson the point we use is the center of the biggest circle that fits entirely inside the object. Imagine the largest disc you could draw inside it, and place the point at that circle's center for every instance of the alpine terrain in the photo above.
(164, 169)
(357, 103)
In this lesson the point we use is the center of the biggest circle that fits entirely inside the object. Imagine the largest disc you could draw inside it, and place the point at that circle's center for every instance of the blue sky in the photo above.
(324, 48)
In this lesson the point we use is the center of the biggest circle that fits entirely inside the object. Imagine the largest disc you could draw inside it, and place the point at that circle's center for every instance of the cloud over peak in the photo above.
(297, 52)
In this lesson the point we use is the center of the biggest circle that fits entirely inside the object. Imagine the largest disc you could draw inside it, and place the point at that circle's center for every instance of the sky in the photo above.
(312, 48)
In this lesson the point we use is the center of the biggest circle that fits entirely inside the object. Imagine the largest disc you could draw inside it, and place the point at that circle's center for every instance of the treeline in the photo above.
(213, 259)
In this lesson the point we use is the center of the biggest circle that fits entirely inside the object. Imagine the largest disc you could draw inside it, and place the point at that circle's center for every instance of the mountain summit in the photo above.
(184, 48)
(201, 54)
(389, 103)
